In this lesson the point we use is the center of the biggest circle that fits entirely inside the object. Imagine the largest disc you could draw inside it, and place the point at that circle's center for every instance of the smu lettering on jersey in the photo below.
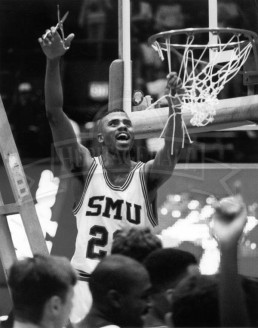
(105, 208)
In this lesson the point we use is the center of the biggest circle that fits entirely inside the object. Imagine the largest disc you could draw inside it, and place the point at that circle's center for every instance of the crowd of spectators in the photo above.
(162, 288)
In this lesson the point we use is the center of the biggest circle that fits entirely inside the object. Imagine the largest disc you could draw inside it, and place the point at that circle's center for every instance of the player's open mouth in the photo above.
(122, 137)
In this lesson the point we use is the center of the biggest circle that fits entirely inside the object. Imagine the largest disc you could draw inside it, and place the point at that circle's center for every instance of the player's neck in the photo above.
(115, 160)
(95, 318)
(152, 319)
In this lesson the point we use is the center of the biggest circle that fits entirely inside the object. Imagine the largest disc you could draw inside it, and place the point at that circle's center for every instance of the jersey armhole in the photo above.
(151, 206)
(90, 173)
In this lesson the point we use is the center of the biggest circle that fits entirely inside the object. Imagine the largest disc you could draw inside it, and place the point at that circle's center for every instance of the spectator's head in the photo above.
(42, 290)
(166, 267)
(24, 93)
(195, 302)
(120, 288)
(135, 242)
(230, 15)
(169, 16)
(193, 248)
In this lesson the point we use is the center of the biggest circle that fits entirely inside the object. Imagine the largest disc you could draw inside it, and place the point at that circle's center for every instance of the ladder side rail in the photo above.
(20, 186)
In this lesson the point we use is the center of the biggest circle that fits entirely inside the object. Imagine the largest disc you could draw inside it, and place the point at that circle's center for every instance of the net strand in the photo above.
(173, 115)
(168, 55)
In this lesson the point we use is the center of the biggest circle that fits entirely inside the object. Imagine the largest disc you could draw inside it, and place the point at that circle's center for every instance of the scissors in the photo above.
(59, 25)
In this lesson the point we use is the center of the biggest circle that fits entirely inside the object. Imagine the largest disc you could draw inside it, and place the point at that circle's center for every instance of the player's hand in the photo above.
(174, 84)
(52, 44)
(228, 221)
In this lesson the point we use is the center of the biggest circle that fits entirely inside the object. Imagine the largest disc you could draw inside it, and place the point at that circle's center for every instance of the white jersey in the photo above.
(105, 208)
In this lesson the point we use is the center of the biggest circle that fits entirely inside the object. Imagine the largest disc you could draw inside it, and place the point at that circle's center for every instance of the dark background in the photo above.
(88, 60)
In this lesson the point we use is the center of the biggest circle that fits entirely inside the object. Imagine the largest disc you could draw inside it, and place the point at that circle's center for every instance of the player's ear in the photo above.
(53, 306)
(99, 131)
(100, 137)
(169, 295)
(114, 298)
(169, 320)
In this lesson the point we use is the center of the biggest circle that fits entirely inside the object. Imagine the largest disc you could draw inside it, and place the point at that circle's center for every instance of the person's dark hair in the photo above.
(34, 280)
(195, 302)
(116, 272)
(192, 248)
(166, 266)
(136, 243)
(106, 112)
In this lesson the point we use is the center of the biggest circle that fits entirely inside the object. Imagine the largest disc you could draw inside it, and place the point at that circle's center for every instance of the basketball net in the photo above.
(203, 79)
(204, 68)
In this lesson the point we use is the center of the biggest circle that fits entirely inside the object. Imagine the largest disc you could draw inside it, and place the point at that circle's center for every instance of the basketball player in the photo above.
(111, 191)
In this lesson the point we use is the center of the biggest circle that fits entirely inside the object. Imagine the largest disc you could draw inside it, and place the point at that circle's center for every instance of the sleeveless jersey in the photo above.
(105, 208)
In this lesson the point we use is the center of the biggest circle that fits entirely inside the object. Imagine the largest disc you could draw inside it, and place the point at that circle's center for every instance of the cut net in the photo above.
(205, 68)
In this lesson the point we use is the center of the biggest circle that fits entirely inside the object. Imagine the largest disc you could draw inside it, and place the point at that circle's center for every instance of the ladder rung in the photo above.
(9, 209)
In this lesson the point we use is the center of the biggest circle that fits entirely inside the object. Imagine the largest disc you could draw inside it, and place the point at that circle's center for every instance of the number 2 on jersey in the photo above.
(99, 239)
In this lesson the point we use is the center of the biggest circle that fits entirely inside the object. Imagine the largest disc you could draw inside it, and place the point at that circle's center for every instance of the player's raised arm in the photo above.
(161, 168)
(71, 153)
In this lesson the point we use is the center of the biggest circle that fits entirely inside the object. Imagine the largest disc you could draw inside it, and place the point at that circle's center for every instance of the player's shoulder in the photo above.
(137, 166)
(82, 163)
(86, 159)
(134, 164)
(148, 166)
